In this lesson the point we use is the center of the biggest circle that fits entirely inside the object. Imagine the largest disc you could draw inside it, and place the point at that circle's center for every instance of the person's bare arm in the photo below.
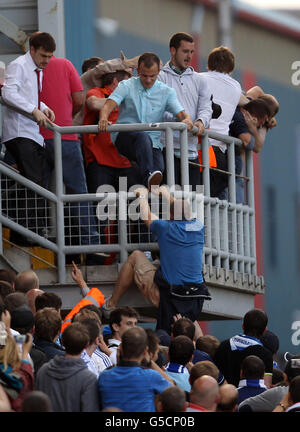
(243, 100)
(146, 215)
(255, 92)
(77, 101)
(95, 103)
(108, 107)
(78, 278)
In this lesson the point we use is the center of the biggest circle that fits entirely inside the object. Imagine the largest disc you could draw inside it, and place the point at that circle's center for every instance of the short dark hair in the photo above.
(134, 342)
(90, 63)
(252, 367)
(271, 102)
(258, 108)
(107, 79)
(48, 299)
(255, 322)
(208, 344)
(176, 39)
(92, 327)
(75, 338)
(117, 314)
(5, 289)
(14, 300)
(221, 59)
(42, 40)
(181, 350)
(149, 59)
(184, 327)
(8, 275)
(173, 399)
(47, 323)
(294, 389)
(201, 368)
(153, 340)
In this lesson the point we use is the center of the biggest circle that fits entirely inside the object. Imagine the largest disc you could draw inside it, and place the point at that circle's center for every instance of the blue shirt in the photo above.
(140, 105)
(130, 388)
(181, 245)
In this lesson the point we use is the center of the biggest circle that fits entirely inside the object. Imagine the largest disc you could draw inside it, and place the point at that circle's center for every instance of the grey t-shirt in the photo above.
(264, 402)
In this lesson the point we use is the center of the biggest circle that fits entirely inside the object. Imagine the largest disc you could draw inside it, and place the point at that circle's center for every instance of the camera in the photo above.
(21, 338)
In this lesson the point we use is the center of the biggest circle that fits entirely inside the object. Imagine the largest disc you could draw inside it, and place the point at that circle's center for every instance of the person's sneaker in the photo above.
(106, 310)
(154, 179)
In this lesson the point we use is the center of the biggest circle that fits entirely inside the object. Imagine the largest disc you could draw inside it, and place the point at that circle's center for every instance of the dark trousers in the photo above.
(31, 161)
(218, 180)
(137, 147)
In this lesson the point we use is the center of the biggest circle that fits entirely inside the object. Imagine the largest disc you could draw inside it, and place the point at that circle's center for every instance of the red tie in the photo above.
(39, 87)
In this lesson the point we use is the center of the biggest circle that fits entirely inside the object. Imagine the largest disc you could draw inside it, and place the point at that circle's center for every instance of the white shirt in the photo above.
(113, 345)
(226, 92)
(21, 91)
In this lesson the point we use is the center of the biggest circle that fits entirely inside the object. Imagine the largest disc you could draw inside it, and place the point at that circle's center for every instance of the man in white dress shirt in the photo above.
(21, 135)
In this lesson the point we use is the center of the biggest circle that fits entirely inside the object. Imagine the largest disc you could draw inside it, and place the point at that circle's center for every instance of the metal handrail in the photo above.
(214, 253)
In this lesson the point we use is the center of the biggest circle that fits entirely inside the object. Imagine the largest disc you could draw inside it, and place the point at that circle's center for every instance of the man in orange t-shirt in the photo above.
(104, 164)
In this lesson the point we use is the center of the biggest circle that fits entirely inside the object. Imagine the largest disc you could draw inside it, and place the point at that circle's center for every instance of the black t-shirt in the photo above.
(229, 362)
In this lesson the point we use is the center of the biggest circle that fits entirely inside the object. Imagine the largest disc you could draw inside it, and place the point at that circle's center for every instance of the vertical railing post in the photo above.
(251, 203)
(60, 222)
(232, 199)
(170, 157)
(123, 226)
(184, 158)
(206, 183)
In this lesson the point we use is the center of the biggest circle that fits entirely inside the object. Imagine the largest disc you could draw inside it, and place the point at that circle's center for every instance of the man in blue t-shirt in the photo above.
(177, 285)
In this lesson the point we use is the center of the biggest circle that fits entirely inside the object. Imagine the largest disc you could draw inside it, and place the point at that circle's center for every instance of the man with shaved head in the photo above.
(26, 281)
(204, 395)
(228, 398)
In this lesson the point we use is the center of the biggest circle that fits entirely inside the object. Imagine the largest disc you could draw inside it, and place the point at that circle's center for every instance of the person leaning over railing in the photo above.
(143, 99)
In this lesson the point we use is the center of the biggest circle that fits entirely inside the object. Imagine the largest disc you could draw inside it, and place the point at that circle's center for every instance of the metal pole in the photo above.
(170, 157)
(251, 201)
(184, 159)
(123, 226)
(60, 222)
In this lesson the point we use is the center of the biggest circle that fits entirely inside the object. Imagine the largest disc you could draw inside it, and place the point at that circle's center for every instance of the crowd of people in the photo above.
(74, 362)
(79, 363)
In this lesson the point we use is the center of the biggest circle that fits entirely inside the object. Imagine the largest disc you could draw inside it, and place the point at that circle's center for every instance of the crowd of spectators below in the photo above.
(120, 366)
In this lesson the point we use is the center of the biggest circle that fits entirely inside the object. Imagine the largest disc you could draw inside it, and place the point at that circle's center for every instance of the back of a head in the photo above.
(294, 389)
(271, 341)
(26, 281)
(15, 300)
(92, 326)
(272, 103)
(31, 296)
(8, 276)
(255, 322)
(292, 368)
(22, 319)
(228, 398)
(93, 308)
(173, 399)
(47, 324)
(134, 343)
(90, 63)
(184, 327)
(181, 350)
(153, 341)
(75, 338)
(5, 289)
(258, 108)
(205, 392)
(36, 401)
(48, 299)
(221, 59)
(208, 344)
(252, 367)
(201, 368)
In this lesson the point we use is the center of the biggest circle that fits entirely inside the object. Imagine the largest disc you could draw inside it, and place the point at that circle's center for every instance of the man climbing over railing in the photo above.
(177, 286)
(143, 99)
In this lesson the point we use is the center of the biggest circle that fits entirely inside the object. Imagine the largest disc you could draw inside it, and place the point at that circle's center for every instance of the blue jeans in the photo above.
(75, 183)
(137, 147)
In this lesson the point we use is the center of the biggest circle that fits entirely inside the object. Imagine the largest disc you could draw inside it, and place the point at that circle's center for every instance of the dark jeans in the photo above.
(137, 147)
(98, 175)
(31, 160)
(75, 183)
(195, 175)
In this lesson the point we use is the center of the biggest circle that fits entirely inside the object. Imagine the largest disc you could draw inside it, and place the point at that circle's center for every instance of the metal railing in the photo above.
(229, 227)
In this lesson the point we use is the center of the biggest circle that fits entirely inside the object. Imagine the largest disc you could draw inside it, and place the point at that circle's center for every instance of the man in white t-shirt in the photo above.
(227, 93)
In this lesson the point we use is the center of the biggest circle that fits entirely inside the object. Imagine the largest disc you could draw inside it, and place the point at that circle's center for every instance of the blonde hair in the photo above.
(10, 354)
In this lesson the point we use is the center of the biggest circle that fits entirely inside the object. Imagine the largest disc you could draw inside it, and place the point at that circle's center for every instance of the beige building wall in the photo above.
(266, 53)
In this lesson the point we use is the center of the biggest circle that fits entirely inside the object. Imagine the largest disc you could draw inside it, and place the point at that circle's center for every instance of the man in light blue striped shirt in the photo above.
(143, 99)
